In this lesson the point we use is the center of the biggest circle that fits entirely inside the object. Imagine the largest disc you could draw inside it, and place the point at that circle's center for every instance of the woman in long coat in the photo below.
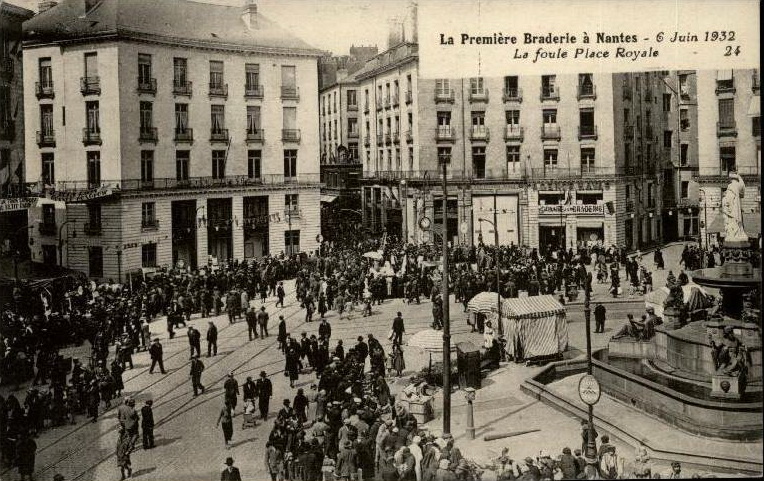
(397, 363)
(123, 455)
(225, 419)
(292, 365)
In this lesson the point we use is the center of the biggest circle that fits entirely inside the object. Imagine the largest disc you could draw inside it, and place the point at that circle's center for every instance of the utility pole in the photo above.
(446, 318)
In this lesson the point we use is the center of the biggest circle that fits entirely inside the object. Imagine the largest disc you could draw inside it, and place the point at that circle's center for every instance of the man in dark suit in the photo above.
(231, 472)
(325, 329)
(196, 374)
(147, 424)
(156, 353)
(194, 341)
(599, 318)
(212, 340)
(264, 389)
(398, 329)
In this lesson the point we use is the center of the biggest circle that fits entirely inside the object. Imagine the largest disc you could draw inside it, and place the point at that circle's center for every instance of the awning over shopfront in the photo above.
(328, 197)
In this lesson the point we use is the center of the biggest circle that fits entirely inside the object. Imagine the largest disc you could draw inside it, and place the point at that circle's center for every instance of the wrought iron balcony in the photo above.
(388, 102)
(218, 90)
(290, 93)
(219, 135)
(290, 135)
(380, 139)
(396, 137)
(725, 86)
(253, 91)
(409, 97)
(479, 95)
(444, 96)
(367, 140)
(444, 133)
(91, 137)
(92, 228)
(149, 224)
(255, 136)
(479, 133)
(366, 107)
(44, 90)
(47, 228)
(512, 95)
(46, 139)
(388, 140)
(148, 134)
(587, 91)
(409, 136)
(550, 132)
(90, 85)
(184, 135)
(395, 101)
(587, 132)
(182, 88)
(726, 129)
(352, 107)
(147, 85)
(380, 104)
(353, 134)
(514, 132)
(550, 93)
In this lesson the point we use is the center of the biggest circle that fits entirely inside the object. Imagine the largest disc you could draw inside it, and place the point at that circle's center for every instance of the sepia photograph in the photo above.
(398, 240)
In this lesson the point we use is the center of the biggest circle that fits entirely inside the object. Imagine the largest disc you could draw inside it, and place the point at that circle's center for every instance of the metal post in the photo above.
(469, 394)
(404, 212)
(61, 244)
(119, 266)
(591, 448)
(446, 318)
(498, 270)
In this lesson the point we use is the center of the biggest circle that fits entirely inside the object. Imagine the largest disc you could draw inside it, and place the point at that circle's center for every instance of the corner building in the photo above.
(169, 131)
(565, 160)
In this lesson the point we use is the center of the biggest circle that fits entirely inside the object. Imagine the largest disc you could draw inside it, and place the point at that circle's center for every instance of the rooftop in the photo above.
(176, 21)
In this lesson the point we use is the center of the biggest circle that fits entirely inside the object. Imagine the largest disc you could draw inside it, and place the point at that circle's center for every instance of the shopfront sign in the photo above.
(572, 209)
(24, 203)
(82, 196)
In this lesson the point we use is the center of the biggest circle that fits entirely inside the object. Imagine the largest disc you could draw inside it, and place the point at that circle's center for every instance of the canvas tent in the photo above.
(534, 326)
(695, 298)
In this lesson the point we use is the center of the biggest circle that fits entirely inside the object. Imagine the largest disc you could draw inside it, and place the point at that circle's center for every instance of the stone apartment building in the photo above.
(162, 136)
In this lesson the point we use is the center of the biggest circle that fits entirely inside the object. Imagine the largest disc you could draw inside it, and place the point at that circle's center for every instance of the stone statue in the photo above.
(733, 217)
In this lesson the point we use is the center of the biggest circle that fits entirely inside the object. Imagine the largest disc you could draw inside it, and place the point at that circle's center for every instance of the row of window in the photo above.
(182, 165)
(513, 159)
(180, 83)
(386, 160)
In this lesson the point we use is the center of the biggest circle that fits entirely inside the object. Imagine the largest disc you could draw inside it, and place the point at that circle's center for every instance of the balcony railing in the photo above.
(409, 97)
(587, 132)
(498, 174)
(91, 137)
(751, 171)
(380, 104)
(148, 134)
(353, 134)
(550, 93)
(388, 139)
(149, 224)
(182, 88)
(479, 133)
(47, 228)
(218, 90)
(352, 107)
(395, 101)
(6, 67)
(92, 229)
(219, 135)
(290, 135)
(254, 136)
(726, 129)
(512, 95)
(147, 85)
(514, 132)
(628, 132)
(46, 139)
(409, 136)
(755, 82)
(479, 95)
(725, 86)
(290, 93)
(253, 91)
(444, 133)
(90, 85)
(44, 90)
(587, 91)
(366, 107)
(185, 135)
(380, 139)
(388, 102)
(627, 94)
(444, 96)
(550, 132)
(367, 140)
(397, 137)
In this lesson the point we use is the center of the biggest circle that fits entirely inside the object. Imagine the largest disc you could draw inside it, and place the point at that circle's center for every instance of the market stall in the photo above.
(481, 308)
(694, 296)
(535, 327)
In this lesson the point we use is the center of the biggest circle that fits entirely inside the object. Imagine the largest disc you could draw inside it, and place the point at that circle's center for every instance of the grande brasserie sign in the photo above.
(83, 195)
(572, 209)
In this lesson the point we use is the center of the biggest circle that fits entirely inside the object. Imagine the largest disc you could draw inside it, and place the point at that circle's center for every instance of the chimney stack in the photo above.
(249, 14)
(46, 5)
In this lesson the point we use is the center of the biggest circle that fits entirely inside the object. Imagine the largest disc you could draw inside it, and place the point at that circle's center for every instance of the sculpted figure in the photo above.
(733, 217)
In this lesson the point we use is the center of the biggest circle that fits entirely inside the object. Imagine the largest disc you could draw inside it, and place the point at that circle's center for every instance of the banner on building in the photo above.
(83, 195)
(24, 203)
(573, 209)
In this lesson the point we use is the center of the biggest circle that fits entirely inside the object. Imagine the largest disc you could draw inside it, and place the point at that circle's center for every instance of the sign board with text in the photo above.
(573, 209)
(9, 205)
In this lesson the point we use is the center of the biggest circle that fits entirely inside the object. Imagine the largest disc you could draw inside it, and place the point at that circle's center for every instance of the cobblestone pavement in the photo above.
(190, 446)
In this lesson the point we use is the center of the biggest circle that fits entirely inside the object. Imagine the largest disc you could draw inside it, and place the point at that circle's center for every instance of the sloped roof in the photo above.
(532, 306)
(180, 20)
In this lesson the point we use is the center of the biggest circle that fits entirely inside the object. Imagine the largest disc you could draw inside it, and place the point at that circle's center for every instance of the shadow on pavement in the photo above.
(159, 442)
(143, 471)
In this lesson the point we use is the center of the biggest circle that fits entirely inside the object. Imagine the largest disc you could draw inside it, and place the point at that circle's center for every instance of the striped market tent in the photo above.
(534, 326)
(484, 303)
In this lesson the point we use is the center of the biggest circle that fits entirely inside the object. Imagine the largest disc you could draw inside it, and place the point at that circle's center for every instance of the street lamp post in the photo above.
(469, 395)
(446, 314)
(591, 448)
(704, 236)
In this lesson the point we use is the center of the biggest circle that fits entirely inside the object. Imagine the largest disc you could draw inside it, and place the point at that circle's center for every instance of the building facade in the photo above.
(169, 145)
(13, 216)
(565, 160)
(729, 134)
